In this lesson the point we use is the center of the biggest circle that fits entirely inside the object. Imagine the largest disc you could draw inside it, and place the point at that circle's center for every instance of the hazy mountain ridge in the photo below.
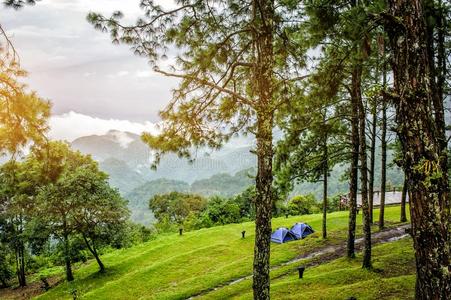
(127, 160)
(125, 157)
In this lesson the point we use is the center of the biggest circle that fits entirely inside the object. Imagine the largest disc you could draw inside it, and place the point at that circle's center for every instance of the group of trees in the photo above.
(243, 66)
(177, 210)
(51, 199)
(187, 211)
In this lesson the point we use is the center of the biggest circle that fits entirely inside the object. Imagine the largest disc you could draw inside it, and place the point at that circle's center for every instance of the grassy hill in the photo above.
(178, 267)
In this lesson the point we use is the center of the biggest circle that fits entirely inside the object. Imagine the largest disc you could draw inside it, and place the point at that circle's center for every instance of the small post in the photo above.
(243, 234)
(301, 270)
(286, 215)
(180, 231)
(45, 284)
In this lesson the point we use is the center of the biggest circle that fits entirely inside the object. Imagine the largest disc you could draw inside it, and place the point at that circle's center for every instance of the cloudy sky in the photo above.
(93, 85)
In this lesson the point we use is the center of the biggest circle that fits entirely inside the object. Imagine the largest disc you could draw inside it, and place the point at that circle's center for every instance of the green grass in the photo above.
(176, 267)
(392, 278)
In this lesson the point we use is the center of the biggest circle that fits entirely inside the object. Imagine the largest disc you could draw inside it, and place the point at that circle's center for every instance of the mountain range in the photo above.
(127, 160)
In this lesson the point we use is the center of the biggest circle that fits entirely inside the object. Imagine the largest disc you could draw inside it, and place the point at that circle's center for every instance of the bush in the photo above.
(303, 205)
(6, 272)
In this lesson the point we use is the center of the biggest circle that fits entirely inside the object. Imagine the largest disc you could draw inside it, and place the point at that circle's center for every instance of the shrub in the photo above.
(303, 205)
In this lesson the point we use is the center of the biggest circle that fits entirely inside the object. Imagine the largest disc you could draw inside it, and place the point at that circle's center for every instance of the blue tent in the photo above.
(301, 230)
(282, 235)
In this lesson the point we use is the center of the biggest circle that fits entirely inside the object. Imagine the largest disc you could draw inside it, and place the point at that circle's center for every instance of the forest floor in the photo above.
(216, 263)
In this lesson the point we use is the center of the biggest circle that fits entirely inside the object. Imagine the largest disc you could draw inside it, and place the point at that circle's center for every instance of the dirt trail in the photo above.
(322, 255)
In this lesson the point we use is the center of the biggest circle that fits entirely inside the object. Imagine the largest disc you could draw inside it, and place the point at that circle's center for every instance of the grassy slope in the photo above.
(176, 267)
(392, 278)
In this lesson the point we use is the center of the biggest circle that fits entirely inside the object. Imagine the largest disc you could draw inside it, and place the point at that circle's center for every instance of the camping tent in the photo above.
(301, 230)
(282, 235)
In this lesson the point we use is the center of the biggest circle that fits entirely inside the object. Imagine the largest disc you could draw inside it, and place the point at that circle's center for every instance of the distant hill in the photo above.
(224, 184)
(122, 176)
(139, 197)
(127, 159)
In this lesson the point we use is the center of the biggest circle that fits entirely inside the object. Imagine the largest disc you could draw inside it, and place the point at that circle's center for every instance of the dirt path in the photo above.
(33, 289)
(322, 255)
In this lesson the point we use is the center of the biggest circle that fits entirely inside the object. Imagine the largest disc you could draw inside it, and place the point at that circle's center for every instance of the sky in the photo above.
(93, 85)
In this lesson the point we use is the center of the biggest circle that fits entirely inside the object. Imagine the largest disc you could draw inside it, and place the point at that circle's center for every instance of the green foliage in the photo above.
(23, 115)
(215, 60)
(303, 205)
(190, 211)
(221, 211)
(175, 207)
(6, 268)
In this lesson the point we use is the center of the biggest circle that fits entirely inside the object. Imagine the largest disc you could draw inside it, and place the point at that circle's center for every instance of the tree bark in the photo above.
(69, 274)
(94, 252)
(263, 11)
(325, 177)
(357, 75)
(20, 264)
(372, 160)
(425, 159)
(384, 153)
(353, 177)
(403, 201)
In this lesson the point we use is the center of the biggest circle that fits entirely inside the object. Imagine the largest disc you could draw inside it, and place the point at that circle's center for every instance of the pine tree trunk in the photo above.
(20, 264)
(263, 11)
(357, 75)
(23, 281)
(403, 201)
(325, 177)
(384, 154)
(372, 160)
(353, 177)
(263, 207)
(384, 168)
(425, 159)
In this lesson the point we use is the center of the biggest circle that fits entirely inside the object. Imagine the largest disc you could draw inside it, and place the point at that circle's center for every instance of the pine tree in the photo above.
(232, 63)
(420, 128)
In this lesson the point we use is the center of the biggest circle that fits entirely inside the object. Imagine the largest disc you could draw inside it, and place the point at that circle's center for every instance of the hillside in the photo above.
(178, 267)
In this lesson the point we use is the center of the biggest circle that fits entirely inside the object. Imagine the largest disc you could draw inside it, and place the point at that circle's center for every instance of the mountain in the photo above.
(127, 159)
(140, 196)
(224, 184)
(122, 176)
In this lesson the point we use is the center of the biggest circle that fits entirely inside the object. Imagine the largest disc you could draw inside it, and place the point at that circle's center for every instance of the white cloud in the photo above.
(118, 74)
(72, 125)
(144, 74)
